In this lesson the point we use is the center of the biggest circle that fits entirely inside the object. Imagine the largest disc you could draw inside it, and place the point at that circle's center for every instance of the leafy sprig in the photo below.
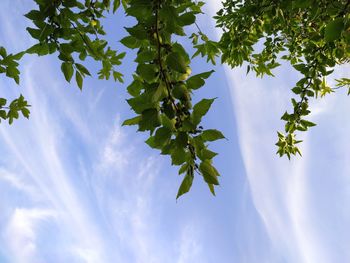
(162, 88)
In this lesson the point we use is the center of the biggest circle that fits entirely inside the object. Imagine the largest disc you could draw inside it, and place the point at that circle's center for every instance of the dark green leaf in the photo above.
(147, 72)
(334, 29)
(79, 80)
(150, 119)
(178, 156)
(130, 42)
(116, 5)
(82, 69)
(67, 69)
(187, 19)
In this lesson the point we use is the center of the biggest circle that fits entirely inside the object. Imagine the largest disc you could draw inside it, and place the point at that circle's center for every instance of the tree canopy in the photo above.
(312, 35)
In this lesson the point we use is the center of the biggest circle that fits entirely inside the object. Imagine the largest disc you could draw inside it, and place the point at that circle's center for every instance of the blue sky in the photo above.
(75, 186)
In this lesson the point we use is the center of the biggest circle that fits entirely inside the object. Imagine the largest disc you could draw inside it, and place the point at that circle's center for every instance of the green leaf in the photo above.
(138, 32)
(334, 29)
(162, 137)
(3, 114)
(209, 173)
(67, 69)
(132, 121)
(211, 188)
(135, 88)
(3, 52)
(35, 33)
(160, 93)
(150, 119)
(206, 154)
(180, 91)
(140, 9)
(185, 185)
(187, 19)
(141, 103)
(176, 62)
(118, 76)
(25, 112)
(200, 109)
(178, 156)
(147, 72)
(116, 5)
(2, 102)
(82, 69)
(130, 42)
(79, 80)
(145, 56)
(181, 139)
(307, 123)
(195, 82)
(166, 122)
(212, 135)
(41, 49)
(184, 168)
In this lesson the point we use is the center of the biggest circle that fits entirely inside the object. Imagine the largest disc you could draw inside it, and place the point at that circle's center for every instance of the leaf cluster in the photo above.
(12, 110)
(73, 29)
(313, 36)
(161, 92)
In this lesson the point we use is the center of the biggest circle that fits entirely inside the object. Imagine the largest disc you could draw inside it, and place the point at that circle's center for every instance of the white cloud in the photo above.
(18, 182)
(116, 153)
(21, 233)
(189, 248)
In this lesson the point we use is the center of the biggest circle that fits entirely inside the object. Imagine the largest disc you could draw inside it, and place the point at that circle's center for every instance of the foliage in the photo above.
(9, 66)
(161, 90)
(312, 35)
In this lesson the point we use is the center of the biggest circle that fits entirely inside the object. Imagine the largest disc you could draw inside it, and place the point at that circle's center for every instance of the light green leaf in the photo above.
(212, 135)
(132, 121)
(185, 185)
(209, 174)
(200, 109)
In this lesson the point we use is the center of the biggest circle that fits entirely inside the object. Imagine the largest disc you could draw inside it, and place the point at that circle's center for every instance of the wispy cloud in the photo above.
(17, 181)
(49, 169)
(189, 248)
